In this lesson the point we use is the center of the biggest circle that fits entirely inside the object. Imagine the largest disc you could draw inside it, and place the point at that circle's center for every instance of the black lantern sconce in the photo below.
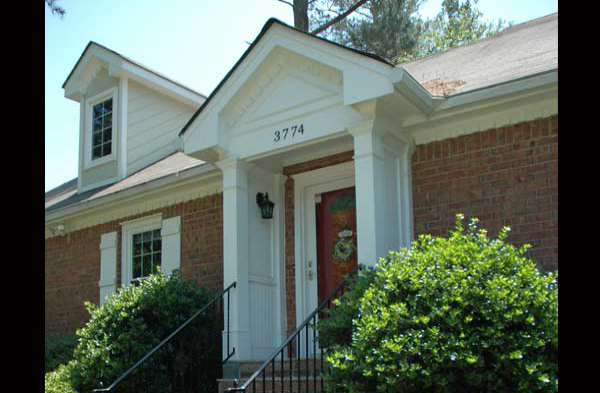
(266, 206)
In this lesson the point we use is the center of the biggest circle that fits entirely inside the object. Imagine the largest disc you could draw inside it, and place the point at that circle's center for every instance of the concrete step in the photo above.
(279, 385)
(303, 367)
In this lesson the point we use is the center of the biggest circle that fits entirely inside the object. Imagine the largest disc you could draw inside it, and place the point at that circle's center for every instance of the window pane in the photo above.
(107, 120)
(97, 139)
(107, 134)
(156, 245)
(97, 124)
(146, 247)
(146, 265)
(108, 106)
(106, 149)
(137, 249)
(156, 234)
(97, 152)
(97, 110)
(137, 267)
(137, 238)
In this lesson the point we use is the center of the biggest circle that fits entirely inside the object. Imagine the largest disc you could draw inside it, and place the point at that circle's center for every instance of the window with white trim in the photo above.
(101, 128)
(146, 254)
(147, 243)
(142, 248)
(102, 124)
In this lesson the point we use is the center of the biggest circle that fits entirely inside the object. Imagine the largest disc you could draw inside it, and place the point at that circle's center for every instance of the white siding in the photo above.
(153, 124)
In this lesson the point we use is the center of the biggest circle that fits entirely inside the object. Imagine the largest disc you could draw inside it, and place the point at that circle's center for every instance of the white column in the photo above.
(371, 200)
(235, 253)
(108, 265)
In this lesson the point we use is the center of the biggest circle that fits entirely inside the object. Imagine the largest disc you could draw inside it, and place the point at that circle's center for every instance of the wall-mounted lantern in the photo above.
(266, 206)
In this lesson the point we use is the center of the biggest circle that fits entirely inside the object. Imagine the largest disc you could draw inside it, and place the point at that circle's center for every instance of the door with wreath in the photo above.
(336, 238)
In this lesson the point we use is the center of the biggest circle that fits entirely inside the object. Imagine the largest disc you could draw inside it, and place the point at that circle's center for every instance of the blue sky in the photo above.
(195, 42)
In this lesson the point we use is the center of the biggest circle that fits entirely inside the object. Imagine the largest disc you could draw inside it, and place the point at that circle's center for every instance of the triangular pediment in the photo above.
(286, 77)
(286, 82)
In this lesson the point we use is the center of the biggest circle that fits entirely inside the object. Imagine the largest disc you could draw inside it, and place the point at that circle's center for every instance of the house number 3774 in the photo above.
(288, 131)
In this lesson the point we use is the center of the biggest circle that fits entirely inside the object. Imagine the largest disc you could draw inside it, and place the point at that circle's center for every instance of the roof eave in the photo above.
(84, 207)
(121, 66)
(513, 86)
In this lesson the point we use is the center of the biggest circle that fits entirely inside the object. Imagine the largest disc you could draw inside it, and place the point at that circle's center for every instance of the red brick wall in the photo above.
(290, 264)
(73, 261)
(505, 177)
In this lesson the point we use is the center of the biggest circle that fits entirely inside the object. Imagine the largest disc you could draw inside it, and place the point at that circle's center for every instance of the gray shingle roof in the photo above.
(518, 51)
(66, 194)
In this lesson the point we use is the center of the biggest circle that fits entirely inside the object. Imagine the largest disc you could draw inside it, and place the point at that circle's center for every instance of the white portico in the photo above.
(292, 98)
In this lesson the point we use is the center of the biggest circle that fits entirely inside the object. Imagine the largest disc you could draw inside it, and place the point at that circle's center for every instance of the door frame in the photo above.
(306, 185)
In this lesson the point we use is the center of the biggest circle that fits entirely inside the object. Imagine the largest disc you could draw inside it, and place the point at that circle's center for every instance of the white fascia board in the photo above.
(413, 90)
(432, 106)
(192, 176)
(119, 66)
(162, 85)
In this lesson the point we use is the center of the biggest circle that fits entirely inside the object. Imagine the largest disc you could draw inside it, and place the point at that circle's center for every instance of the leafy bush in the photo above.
(463, 314)
(59, 380)
(58, 351)
(134, 320)
(336, 329)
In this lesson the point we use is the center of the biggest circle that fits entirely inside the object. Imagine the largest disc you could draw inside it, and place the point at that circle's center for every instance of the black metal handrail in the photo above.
(309, 323)
(119, 381)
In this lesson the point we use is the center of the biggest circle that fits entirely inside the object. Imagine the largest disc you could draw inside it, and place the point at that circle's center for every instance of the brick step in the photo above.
(298, 385)
(303, 368)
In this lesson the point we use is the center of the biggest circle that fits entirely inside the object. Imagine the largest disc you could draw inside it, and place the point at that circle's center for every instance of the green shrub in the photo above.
(58, 351)
(463, 314)
(337, 328)
(134, 320)
(59, 380)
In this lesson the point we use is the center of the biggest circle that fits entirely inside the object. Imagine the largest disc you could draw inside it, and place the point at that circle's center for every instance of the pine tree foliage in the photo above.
(458, 23)
(393, 29)
(388, 28)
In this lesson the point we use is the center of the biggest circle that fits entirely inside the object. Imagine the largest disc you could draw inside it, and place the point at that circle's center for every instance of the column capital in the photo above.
(234, 163)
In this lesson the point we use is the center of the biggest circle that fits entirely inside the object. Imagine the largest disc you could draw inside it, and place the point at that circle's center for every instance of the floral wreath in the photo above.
(344, 248)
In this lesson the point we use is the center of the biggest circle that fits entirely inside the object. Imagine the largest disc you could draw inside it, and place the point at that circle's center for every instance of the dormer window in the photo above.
(102, 129)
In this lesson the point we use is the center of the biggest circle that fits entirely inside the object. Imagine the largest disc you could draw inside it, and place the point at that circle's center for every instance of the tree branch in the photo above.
(287, 2)
(338, 18)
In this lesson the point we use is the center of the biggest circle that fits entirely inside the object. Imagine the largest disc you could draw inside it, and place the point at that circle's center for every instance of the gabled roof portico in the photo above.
(294, 97)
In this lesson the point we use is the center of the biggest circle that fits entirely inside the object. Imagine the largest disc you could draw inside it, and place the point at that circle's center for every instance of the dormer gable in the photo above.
(130, 115)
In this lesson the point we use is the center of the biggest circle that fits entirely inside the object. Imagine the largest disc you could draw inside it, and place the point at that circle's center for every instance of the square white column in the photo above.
(235, 254)
(372, 218)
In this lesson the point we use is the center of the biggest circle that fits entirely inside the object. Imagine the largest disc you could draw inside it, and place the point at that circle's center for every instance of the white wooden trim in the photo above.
(128, 229)
(88, 163)
(108, 265)
(306, 184)
(171, 244)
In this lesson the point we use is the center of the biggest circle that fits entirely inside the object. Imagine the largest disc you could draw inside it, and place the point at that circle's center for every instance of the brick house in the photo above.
(358, 156)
